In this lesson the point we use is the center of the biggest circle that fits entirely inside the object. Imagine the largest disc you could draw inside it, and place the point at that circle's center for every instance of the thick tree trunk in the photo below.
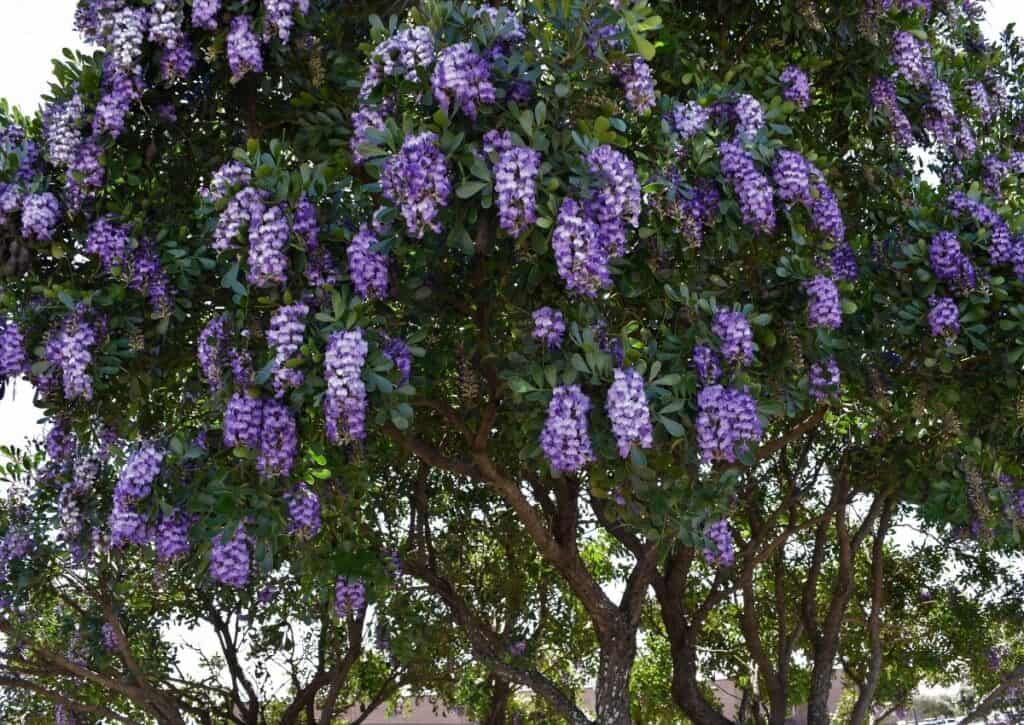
(501, 693)
(821, 685)
(685, 688)
(618, 651)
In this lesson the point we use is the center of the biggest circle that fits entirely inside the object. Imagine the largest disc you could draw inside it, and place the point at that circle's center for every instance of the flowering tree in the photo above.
(614, 267)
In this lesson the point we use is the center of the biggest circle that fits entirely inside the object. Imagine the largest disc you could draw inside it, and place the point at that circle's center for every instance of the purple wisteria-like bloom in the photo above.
(135, 480)
(399, 56)
(753, 190)
(637, 80)
(62, 129)
(617, 201)
(749, 116)
(120, 90)
(364, 120)
(688, 119)
(303, 511)
(883, 96)
(125, 31)
(581, 259)
(705, 360)
(565, 438)
(172, 535)
(792, 175)
(735, 336)
(796, 87)
(279, 440)
(242, 421)
(416, 178)
(823, 308)
(368, 269)
(824, 380)
(70, 350)
(279, 17)
(109, 637)
(149, 277)
(244, 54)
(165, 18)
(230, 176)
(268, 260)
(721, 551)
(230, 560)
(944, 317)
(245, 211)
(397, 351)
(346, 392)
(177, 62)
(843, 263)
(694, 209)
(1002, 248)
(727, 422)
(911, 58)
(462, 79)
(515, 183)
(39, 216)
(825, 212)
(211, 350)
(628, 411)
(204, 13)
(949, 262)
(349, 597)
(549, 326)
(13, 358)
(285, 335)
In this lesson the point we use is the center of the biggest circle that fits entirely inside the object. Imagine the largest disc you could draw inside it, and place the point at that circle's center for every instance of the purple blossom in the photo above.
(243, 49)
(792, 175)
(165, 19)
(245, 211)
(721, 551)
(172, 535)
(735, 337)
(11, 198)
(13, 359)
(726, 422)
(231, 175)
(581, 260)
(120, 90)
(549, 326)
(279, 17)
(368, 269)
(279, 441)
(397, 351)
(285, 335)
(911, 58)
(40, 214)
(416, 178)
(148, 276)
(303, 511)
(638, 81)
(349, 597)
(230, 560)
(752, 188)
(364, 120)
(843, 263)
(346, 391)
(515, 183)
(749, 116)
(125, 33)
(178, 61)
(204, 13)
(617, 200)
(705, 360)
(824, 380)
(823, 308)
(796, 87)
(564, 439)
(135, 481)
(949, 262)
(688, 119)
(241, 367)
(211, 350)
(825, 212)
(462, 78)
(883, 96)
(399, 56)
(242, 421)
(497, 141)
(268, 261)
(628, 411)
(944, 317)
(71, 353)
(62, 129)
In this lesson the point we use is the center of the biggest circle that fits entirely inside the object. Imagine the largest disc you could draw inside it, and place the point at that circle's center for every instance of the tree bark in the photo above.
(618, 651)
(501, 693)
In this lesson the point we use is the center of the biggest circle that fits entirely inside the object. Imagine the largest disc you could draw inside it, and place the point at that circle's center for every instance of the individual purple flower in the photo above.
(230, 560)
(796, 87)
(944, 317)
(735, 337)
(727, 422)
(792, 175)
(705, 360)
(364, 120)
(911, 58)
(285, 335)
(949, 262)
(823, 308)
(204, 13)
(172, 530)
(40, 214)
(416, 178)
(515, 183)
(303, 511)
(243, 420)
(397, 351)
(688, 119)
(628, 411)
(211, 349)
(243, 49)
(367, 268)
(279, 441)
(749, 116)
(638, 81)
(752, 188)
(230, 176)
(346, 392)
(565, 439)
(843, 263)
(349, 597)
(824, 380)
(883, 96)
(463, 79)
(13, 358)
(549, 326)
(581, 260)
(268, 260)
(721, 551)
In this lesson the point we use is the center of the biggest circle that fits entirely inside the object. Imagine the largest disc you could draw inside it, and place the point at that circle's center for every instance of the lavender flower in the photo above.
(721, 552)
(172, 535)
(949, 262)
(349, 597)
(204, 13)
(13, 359)
(825, 213)
(243, 420)
(245, 210)
(749, 116)
(364, 120)
(140, 470)
(688, 119)
(287, 328)
(231, 175)
(39, 216)
(735, 336)
(823, 303)
(638, 81)
(368, 269)
(564, 439)
(792, 175)
(268, 262)
(397, 351)
(61, 129)
(515, 183)
(843, 263)
(71, 353)
(705, 360)
(883, 96)
(581, 260)
(120, 90)
(616, 201)
(399, 56)
(944, 317)
(165, 18)
(462, 78)
(346, 392)
(824, 380)
(243, 49)
(416, 178)
(796, 87)
(726, 422)
(549, 326)
(279, 17)
(230, 560)
(303, 512)
(211, 350)
(752, 188)
(628, 411)
(910, 56)
(279, 440)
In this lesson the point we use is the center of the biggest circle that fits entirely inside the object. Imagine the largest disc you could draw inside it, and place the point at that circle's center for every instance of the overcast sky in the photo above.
(32, 32)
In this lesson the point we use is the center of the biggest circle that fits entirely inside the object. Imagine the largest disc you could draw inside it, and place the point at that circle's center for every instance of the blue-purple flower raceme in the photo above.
(285, 335)
(303, 511)
(367, 268)
(416, 179)
(515, 184)
(796, 87)
(735, 337)
(727, 422)
(943, 317)
(823, 306)
(752, 188)
(628, 411)
(230, 559)
(948, 261)
(549, 326)
(705, 360)
(244, 55)
(345, 399)
(824, 380)
(565, 439)
(721, 551)
(462, 79)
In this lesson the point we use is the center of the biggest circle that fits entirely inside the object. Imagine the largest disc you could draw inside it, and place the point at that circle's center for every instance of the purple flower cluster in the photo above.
(843, 263)
(285, 335)
(515, 183)
(69, 350)
(204, 13)
(825, 212)
(796, 87)
(303, 511)
(1002, 248)
(149, 277)
(109, 637)
(721, 552)
(749, 116)
(13, 359)
(581, 259)
(39, 216)
(244, 211)
(628, 411)
(549, 326)
(229, 177)
(244, 54)
(688, 119)
(824, 380)
(911, 58)
(792, 175)
(726, 422)
(364, 120)
(462, 78)
(177, 62)
(62, 129)
(349, 597)
(944, 317)
(616, 201)
(172, 535)
(368, 269)
(735, 337)
(279, 17)
(109, 241)
(416, 178)
(279, 440)
(397, 351)
(823, 308)
(242, 421)
(705, 360)
(565, 439)
(752, 188)
(127, 525)
(637, 80)
(230, 560)
(883, 96)
(211, 350)
(63, 715)
(346, 391)
(401, 55)
(949, 262)
(268, 261)
(120, 89)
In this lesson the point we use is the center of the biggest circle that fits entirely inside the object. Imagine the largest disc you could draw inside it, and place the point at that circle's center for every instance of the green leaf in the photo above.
(469, 188)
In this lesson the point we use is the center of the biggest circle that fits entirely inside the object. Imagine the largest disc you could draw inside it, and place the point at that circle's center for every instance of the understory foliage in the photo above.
(512, 332)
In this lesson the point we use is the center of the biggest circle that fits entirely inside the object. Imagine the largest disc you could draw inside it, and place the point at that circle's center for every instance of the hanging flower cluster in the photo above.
(949, 262)
(752, 188)
(345, 400)
(211, 350)
(565, 439)
(462, 79)
(628, 411)
(349, 597)
(303, 511)
(944, 317)
(368, 269)
(285, 335)
(416, 178)
(721, 552)
(230, 560)
(134, 483)
(549, 326)
(637, 80)
(727, 422)
(823, 307)
(515, 184)
(705, 360)
(398, 352)
(796, 87)
(824, 380)
(69, 350)
(13, 358)
(735, 337)
(172, 535)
